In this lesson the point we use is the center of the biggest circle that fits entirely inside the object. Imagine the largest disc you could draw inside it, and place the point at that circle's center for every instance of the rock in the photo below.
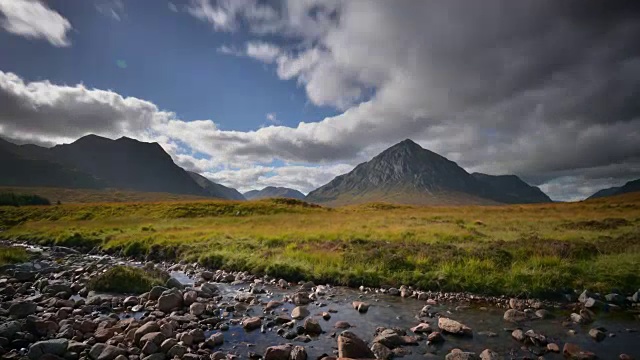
(130, 301)
(169, 301)
(174, 283)
(543, 314)
(393, 291)
(453, 327)
(553, 347)
(584, 296)
(197, 309)
(381, 352)
(351, 346)
(209, 288)
(572, 351)
(435, 338)
(535, 338)
(518, 334)
(362, 307)
(167, 345)
(517, 304)
(9, 328)
(280, 352)
(342, 325)
(389, 338)
(457, 354)
(161, 356)
(154, 337)
(22, 309)
(189, 297)
(515, 316)
(156, 291)
(207, 275)
(487, 354)
(615, 299)
(422, 328)
(251, 323)
(52, 347)
(103, 334)
(215, 339)
(299, 312)
(177, 350)
(145, 329)
(272, 305)
(312, 327)
(301, 298)
(578, 319)
(592, 303)
(597, 334)
(111, 352)
(76, 346)
(150, 348)
(298, 353)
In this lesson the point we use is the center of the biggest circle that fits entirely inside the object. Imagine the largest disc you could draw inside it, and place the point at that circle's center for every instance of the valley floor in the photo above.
(535, 250)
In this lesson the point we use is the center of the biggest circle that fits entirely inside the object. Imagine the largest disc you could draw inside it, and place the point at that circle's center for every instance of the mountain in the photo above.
(408, 174)
(511, 189)
(22, 169)
(215, 189)
(97, 162)
(631, 186)
(274, 192)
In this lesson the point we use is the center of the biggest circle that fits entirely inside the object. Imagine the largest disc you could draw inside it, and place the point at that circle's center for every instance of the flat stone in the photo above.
(453, 327)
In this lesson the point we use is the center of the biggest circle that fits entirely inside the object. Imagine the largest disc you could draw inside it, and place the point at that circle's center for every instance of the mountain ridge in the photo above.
(628, 187)
(274, 192)
(407, 173)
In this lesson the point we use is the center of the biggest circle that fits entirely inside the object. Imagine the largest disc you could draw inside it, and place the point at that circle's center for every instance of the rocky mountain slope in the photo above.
(631, 186)
(408, 174)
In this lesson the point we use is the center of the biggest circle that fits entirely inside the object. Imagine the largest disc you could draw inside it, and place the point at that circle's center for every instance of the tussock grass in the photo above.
(127, 280)
(520, 249)
(12, 255)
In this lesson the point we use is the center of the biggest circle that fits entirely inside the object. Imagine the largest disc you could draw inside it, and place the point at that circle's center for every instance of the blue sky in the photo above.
(171, 60)
(255, 93)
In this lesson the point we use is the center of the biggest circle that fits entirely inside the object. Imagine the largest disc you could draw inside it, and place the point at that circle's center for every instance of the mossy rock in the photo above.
(128, 280)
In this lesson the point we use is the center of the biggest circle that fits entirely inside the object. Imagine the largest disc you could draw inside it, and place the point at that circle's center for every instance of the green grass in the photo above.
(521, 249)
(128, 280)
(12, 255)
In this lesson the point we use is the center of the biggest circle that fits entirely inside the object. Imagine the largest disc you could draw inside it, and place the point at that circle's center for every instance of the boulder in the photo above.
(515, 316)
(280, 352)
(422, 328)
(9, 328)
(174, 283)
(351, 346)
(381, 351)
(177, 351)
(51, 347)
(190, 297)
(197, 309)
(457, 354)
(389, 338)
(435, 338)
(156, 291)
(487, 354)
(169, 301)
(573, 351)
(108, 352)
(362, 307)
(215, 339)
(615, 299)
(298, 353)
(145, 329)
(251, 323)
(342, 325)
(22, 309)
(312, 327)
(453, 327)
(518, 334)
(299, 312)
(597, 334)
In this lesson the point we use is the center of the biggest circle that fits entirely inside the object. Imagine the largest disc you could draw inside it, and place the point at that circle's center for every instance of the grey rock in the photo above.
(9, 328)
(299, 312)
(53, 347)
(22, 309)
(169, 301)
(351, 346)
(145, 329)
(615, 299)
(298, 353)
(156, 291)
(453, 327)
(597, 334)
(389, 338)
(312, 327)
(174, 283)
(381, 351)
(515, 316)
(487, 354)
(457, 354)
(177, 350)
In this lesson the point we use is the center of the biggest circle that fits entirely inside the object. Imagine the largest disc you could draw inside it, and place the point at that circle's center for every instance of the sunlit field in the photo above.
(537, 250)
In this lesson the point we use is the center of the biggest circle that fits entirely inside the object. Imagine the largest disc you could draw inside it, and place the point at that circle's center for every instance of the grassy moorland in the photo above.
(521, 249)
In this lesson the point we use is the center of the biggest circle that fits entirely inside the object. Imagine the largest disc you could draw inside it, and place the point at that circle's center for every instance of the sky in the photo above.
(255, 93)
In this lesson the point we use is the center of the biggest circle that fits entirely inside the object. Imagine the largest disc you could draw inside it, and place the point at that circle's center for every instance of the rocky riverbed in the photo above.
(47, 313)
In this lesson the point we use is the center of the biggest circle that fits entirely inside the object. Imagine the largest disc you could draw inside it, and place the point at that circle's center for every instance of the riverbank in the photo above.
(534, 250)
(48, 310)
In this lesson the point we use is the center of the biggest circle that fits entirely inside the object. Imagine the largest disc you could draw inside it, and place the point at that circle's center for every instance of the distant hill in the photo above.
(408, 174)
(215, 189)
(629, 187)
(510, 189)
(97, 162)
(274, 192)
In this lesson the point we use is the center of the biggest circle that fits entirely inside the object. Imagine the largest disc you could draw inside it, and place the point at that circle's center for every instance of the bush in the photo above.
(285, 271)
(127, 280)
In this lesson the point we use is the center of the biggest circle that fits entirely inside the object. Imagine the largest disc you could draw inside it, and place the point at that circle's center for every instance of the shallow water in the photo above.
(389, 311)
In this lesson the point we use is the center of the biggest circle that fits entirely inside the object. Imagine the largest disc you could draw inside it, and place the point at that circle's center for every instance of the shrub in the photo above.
(127, 279)
(285, 271)
(12, 255)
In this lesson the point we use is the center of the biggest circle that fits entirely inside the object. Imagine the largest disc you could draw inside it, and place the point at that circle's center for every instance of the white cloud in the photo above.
(272, 118)
(172, 6)
(225, 15)
(262, 51)
(33, 19)
(111, 8)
